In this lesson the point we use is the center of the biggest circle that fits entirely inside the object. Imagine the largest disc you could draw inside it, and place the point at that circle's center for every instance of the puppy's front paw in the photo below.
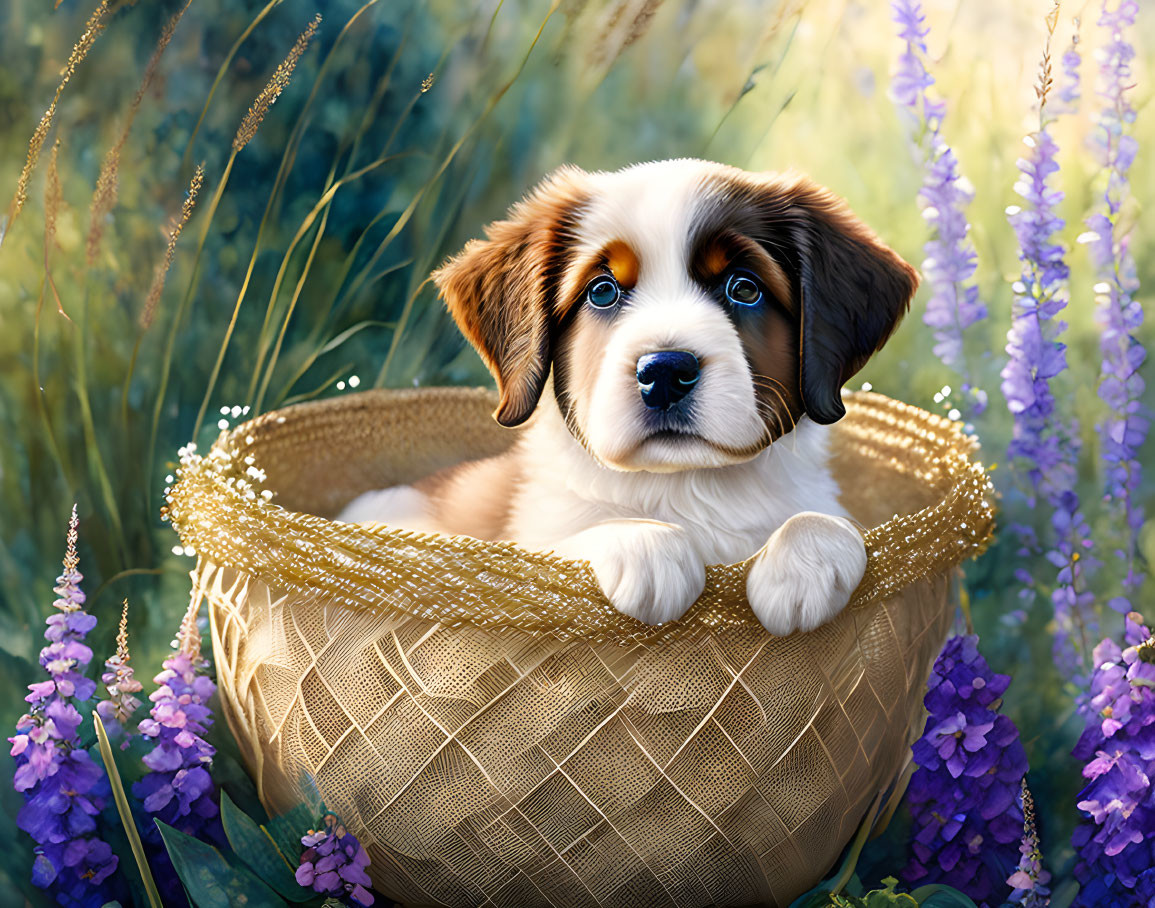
(805, 573)
(648, 569)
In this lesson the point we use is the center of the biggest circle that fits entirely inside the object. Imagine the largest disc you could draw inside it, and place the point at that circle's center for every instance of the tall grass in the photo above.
(132, 317)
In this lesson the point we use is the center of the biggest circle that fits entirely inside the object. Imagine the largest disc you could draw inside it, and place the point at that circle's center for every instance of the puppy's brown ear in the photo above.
(854, 291)
(850, 289)
(503, 290)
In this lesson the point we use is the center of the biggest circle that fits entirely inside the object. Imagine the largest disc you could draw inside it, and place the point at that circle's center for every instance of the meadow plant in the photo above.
(334, 862)
(1045, 443)
(1115, 839)
(64, 789)
(1120, 315)
(178, 788)
(97, 22)
(1070, 89)
(950, 262)
(121, 685)
(965, 794)
(104, 198)
(362, 272)
(1029, 881)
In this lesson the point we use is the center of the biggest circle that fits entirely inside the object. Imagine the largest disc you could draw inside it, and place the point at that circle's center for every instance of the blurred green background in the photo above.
(430, 118)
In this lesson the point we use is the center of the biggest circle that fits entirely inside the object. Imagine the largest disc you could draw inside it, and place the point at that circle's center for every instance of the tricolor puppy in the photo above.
(677, 335)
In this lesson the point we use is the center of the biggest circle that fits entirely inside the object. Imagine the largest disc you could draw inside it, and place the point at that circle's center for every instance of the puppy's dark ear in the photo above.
(854, 291)
(502, 291)
(850, 289)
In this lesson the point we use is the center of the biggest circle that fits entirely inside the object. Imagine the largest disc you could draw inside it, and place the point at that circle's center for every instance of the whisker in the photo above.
(772, 385)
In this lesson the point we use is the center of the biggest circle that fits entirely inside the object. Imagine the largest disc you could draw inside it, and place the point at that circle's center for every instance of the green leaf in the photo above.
(253, 845)
(940, 896)
(286, 830)
(125, 811)
(210, 880)
(887, 898)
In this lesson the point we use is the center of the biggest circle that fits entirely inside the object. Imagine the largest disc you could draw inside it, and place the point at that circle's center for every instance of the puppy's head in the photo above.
(691, 313)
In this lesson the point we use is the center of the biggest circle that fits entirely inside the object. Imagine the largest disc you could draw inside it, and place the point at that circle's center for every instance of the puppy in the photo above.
(680, 332)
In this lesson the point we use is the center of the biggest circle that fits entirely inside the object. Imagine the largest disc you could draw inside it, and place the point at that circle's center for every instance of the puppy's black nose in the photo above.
(667, 376)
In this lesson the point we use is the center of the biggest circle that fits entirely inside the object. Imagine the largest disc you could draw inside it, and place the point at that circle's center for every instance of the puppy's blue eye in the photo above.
(743, 290)
(603, 292)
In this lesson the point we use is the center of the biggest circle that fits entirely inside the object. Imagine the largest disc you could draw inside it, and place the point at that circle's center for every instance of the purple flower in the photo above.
(333, 863)
(965, 795)
(1069, 90)
(950, 262)
(64, 790)
(1114, 842)
(1029, 881)
(178, 789)
(1044, 445)
(1119, 314)
(118, 680)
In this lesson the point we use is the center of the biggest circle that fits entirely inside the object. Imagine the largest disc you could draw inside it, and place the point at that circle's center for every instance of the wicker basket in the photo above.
(496, 733)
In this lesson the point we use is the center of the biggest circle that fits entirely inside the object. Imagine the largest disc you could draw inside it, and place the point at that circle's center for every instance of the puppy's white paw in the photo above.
(648, 569)
(804, 575)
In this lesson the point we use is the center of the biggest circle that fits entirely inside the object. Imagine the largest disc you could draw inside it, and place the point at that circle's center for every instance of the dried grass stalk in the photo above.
(53, 198)
(92, 29)
(104, 198)
(186, 210)
(277, 83)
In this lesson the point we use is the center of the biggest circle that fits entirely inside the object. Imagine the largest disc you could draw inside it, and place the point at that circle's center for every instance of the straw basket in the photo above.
(496, 733)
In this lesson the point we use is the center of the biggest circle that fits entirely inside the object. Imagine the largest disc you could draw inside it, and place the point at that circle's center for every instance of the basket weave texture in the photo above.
(496, 733)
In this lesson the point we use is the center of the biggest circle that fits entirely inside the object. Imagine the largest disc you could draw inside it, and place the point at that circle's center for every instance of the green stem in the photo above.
(92, 446)
(178, 318)
(256, 394)
(446, 161)
(220, 75)
(331, 345)
(125, 812)
(304, 276)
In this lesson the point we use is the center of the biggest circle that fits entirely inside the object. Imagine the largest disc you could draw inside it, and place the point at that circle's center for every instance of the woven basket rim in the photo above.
(222, 478)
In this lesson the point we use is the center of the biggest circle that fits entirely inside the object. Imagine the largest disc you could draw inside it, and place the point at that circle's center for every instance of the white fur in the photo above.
(649, 514)
(652, 207)
(806, 572)
(648, 535)
(401, 506)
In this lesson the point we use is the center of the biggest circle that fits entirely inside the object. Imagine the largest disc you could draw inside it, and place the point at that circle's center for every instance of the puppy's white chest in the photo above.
(727, 512)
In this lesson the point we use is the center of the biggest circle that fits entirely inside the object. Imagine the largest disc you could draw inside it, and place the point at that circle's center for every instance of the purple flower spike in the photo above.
(1118, 312)
(118, 680)
(178, 789)
(1029, 881)
(64, 790)
(1113, 840)
(949, 266)
(333, 863)
(965, 795)
(1044, 446)
(1069, 90)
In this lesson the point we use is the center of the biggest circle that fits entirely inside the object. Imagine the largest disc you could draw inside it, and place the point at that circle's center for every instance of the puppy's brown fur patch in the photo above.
(502, 290)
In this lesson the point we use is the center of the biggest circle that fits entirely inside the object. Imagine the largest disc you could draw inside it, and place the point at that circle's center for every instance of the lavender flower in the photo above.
(1120, 386)
(1045, 445)
(950, 262)
(1070, 91)
(64, 790)
(333, 863)
(178, 789)
(118, 680)
(964, 796)
(1029, 881)
(1115, 847)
